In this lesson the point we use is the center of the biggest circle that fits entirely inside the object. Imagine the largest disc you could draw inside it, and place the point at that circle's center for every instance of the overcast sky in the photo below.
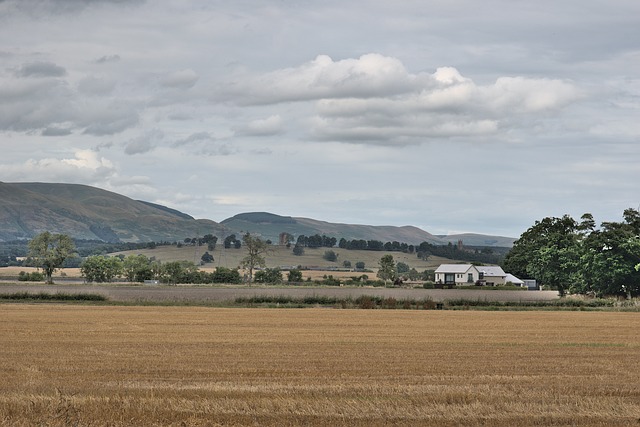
(453, 116)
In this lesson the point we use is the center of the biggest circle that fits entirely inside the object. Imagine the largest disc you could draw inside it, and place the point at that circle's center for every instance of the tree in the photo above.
(360, 265)
(49, 251)
(226, 275)
(138, 268)
(402, 267)
(207, 257)
(294, 275)
(330, 256)
(608, 260)
(549, 252)
(101, 269)
(298, 250)
(269, 275)
(387, 268)
(256, 248)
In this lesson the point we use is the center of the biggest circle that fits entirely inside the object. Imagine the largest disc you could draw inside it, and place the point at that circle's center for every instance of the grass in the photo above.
(75, 365)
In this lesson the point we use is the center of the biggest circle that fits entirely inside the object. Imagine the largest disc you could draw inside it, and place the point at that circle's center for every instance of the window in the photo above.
(470, 278)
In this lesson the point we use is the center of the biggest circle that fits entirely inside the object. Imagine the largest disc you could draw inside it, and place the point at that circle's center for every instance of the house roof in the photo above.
(453, 268)
(492, 271)
(513, 279)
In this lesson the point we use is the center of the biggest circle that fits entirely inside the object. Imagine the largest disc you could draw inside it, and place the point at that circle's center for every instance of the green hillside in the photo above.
(84, 212)
(269, 226)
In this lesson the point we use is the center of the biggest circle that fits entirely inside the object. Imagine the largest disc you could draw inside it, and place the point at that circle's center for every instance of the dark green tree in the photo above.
(548, 251)
(330, 256)
(294, 275)
(269, 275)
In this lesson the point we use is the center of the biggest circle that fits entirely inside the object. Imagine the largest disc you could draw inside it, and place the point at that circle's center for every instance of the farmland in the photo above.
(76, 365)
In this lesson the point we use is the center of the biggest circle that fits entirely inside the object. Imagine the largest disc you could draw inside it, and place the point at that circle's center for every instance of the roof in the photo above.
(492, 271)
(513, 279)
(453, 268)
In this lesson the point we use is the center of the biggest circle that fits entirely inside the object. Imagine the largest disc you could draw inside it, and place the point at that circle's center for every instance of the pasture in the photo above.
(104, 365)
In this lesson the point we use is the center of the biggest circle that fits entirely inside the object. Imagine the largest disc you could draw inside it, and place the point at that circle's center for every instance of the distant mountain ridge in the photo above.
(85, 212)
(269, 226)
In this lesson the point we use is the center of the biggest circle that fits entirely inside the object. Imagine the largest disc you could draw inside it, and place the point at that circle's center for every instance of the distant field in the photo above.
(281, 255)
(118, 366)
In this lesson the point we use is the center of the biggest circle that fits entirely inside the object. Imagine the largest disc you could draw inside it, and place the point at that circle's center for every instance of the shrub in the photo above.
(35, 276)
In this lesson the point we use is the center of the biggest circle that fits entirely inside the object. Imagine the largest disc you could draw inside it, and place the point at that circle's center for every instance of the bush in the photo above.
(268, 275)
(226, 275)
(294, 275)
(330, 256)
(35, 276)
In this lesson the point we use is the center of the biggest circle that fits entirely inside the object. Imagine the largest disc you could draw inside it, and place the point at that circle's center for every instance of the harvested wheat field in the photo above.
(117, 366)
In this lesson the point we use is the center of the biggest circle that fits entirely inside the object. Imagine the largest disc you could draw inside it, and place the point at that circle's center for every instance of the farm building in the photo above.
(469, 274)
(457, 274)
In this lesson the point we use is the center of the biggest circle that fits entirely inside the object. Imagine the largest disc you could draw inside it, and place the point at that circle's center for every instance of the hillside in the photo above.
(85, 212)
(90, 213)
(280, 256)
(269, 226)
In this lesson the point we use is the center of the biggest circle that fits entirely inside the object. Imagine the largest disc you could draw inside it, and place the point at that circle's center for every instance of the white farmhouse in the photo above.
(469, 274)
(457, 274)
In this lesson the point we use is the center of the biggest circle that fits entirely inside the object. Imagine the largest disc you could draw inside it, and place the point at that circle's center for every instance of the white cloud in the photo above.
(367, 76)
(85, 167)
(272, 125)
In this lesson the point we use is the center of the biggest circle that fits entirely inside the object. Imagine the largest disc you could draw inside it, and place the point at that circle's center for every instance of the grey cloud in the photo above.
(144, 143)
(107, 58)
(41, 69)
(55, 131)
(206, 144)
(96, 86)
(183, 79)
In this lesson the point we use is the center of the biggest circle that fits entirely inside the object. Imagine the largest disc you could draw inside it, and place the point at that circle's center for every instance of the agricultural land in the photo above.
(188, 366)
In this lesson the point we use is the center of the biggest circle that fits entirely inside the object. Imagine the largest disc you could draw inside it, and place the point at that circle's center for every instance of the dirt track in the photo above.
(211, 294)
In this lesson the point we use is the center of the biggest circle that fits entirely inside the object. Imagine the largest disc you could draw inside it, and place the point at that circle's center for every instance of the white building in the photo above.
(469, 275)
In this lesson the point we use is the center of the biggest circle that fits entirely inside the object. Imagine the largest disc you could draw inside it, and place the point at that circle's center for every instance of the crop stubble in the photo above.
(73, 365)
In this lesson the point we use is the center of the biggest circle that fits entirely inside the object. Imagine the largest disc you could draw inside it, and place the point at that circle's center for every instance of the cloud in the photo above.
(55, 131)
(107, 58)
(86, 166)
(96, 85)
(183, 79)
(450, 106)
(41, 69)
(368, 76)
(272, 125)
(374, 99)
(205, 143)
(144, 143)
(33, 104)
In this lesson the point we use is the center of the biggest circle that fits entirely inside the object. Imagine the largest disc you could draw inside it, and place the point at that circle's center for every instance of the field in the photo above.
(117, 366)
(282, 256)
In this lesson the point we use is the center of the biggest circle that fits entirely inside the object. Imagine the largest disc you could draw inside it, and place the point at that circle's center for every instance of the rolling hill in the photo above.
(85, 212)
(269, 226)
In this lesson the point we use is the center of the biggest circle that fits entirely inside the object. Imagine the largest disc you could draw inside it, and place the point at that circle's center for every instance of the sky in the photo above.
(453, 116)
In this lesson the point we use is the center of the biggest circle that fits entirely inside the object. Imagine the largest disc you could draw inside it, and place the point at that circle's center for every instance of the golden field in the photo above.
(116, 366)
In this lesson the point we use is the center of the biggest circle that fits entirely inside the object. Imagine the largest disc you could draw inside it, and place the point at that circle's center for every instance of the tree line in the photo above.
(579, 257)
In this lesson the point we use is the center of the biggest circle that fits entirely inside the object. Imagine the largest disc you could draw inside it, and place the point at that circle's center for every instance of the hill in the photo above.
(269, 226)
(86, 212)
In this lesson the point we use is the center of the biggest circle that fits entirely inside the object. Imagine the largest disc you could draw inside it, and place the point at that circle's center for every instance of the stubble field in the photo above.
(117, 366)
